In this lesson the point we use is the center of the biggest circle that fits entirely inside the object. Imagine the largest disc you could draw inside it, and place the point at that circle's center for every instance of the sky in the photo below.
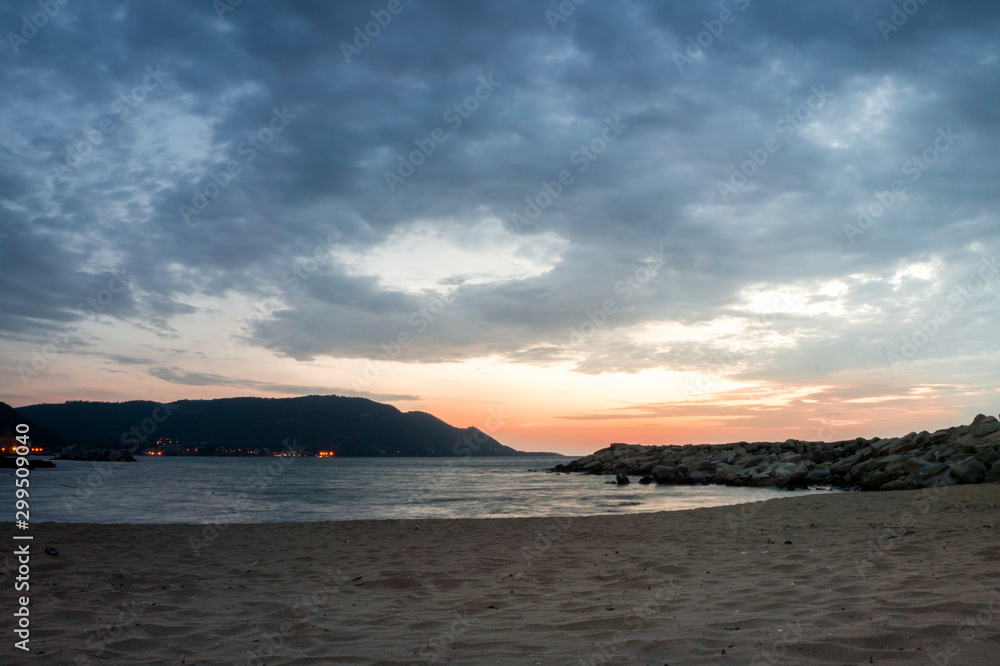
(568, 224)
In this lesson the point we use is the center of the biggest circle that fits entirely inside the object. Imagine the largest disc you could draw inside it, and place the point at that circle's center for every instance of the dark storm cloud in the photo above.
(183, 103)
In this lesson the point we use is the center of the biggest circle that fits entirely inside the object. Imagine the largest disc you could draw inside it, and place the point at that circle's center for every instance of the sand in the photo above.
(884, 578)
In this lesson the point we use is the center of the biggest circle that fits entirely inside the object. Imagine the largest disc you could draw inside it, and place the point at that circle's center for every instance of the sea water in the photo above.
(263, 490)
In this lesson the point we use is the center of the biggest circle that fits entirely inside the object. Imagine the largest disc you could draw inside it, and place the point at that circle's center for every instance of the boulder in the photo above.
(932, 470)
(938, 437)
(897, 484)
(892, 465)
(902, 447)
(994, 474)
(882, 446)
(968, 470)
(789, 475)
(661, 471)
(698, 477)
(987, 456)
(622, 479)
(876, 478)
(914, 465)
(844, 465)
(728, 474)
(946, 452)
(984, 425)
(819, 475)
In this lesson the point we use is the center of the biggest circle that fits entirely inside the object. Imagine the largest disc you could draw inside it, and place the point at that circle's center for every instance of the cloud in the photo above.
(178, 376)
(302, 217)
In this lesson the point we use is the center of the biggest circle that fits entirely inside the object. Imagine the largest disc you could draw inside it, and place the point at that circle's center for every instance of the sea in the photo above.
(198, 490)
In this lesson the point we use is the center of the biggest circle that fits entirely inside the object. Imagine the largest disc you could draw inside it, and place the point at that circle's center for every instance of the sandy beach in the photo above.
(891, 577)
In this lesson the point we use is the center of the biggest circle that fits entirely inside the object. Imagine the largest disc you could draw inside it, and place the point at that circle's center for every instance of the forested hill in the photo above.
(346, 426)
(37, 435)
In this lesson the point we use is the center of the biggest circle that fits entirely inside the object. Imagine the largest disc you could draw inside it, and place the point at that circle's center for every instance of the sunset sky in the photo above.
(652, 222)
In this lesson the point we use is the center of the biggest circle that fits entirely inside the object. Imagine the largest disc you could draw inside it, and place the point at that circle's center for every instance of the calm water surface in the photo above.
(261, 490)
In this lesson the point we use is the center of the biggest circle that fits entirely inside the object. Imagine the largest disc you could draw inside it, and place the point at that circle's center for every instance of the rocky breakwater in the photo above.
(963, 454)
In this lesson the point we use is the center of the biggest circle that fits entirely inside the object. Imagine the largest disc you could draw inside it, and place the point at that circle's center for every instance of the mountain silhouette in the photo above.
(343, 425)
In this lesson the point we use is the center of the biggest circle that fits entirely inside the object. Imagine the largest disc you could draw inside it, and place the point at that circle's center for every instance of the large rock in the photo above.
(932, 470)
(819, 475)
(789, 475)
(875, 479)
(987, 456)
(661, 472)
(844, 465)
(914, 465)
(698, 477)
(873, 473)
(984, 425)
(902, 447)
(882, 446)
(994, 474)
(968, 470)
